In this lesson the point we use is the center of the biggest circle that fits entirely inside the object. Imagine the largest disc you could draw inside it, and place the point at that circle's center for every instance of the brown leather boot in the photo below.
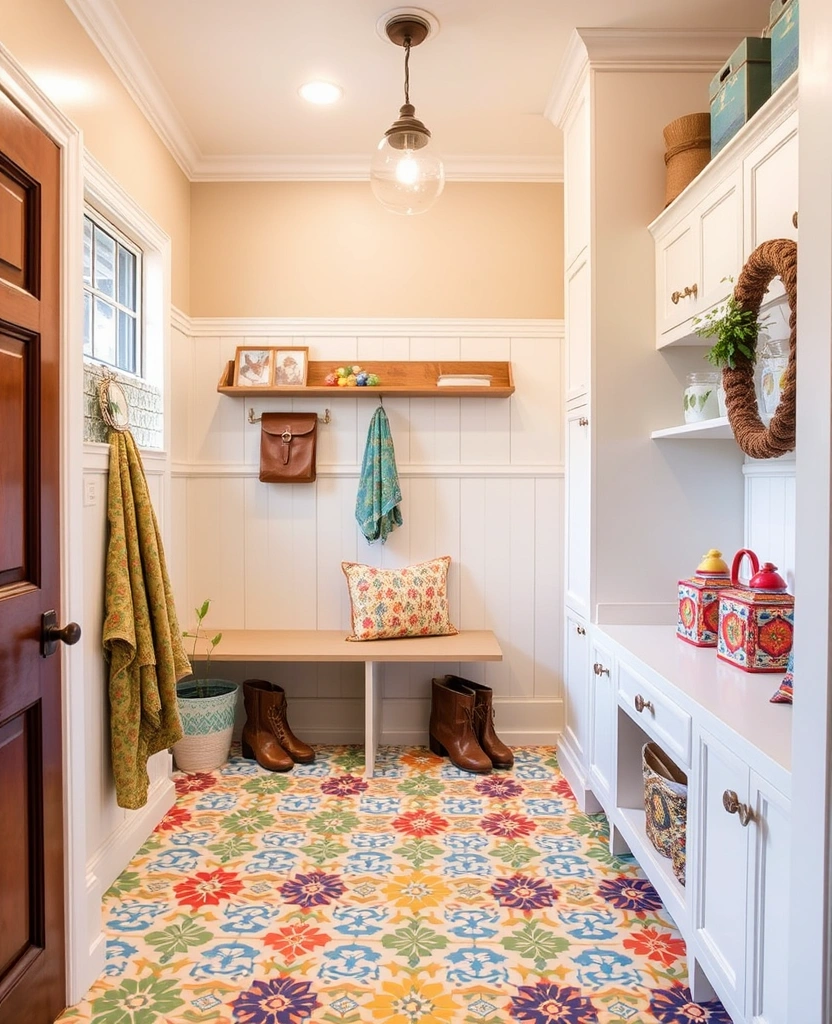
(300, 752)
(452, 725)
(501, 755)
(259, 741)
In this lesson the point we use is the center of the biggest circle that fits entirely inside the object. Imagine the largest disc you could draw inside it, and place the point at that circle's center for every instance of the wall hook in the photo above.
(252, 418)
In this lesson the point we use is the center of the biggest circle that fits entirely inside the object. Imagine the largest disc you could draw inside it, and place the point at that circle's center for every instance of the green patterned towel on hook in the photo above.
(377, 505)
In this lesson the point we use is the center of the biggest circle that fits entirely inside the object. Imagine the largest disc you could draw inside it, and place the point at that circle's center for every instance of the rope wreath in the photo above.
(777, 258)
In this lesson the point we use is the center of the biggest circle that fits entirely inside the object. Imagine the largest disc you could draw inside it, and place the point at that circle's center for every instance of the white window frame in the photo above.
(102, 222)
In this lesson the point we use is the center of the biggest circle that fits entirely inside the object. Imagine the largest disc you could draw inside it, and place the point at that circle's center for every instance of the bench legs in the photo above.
(372, 716)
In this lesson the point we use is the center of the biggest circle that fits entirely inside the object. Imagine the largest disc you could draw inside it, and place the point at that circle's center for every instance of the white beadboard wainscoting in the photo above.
(770, 512)
(481, 479)
(113, 833)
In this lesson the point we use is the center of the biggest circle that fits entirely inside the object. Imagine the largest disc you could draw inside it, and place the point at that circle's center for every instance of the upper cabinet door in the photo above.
(677, 275)
(578, 329)
(720, 241)
(578, 511)
(771, 188)
(576, 179)
(718, 847)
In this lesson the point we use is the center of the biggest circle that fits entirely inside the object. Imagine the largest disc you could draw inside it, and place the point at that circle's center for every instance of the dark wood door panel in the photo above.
(32, 960)
(20, 465)
(21, 874)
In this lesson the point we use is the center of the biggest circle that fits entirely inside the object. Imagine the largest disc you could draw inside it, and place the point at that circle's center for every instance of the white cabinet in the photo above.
(719, 883)
(578, 511)
(745, 196)
(576, 693)
(770, 188)
(602, 712)
(578, 329)
(769, 859)
(740, 830)
(576, 178)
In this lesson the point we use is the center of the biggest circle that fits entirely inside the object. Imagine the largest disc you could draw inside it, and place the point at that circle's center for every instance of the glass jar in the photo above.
(700, 401)
(774, 359)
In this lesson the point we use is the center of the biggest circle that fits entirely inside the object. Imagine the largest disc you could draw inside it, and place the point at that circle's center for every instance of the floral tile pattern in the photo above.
(422, 896)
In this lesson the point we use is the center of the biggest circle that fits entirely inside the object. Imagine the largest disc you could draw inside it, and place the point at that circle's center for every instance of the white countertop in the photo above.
(740, 700)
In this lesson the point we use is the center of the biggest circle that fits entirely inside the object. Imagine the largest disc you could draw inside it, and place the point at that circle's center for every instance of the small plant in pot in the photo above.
(736, 331)
(206, 707)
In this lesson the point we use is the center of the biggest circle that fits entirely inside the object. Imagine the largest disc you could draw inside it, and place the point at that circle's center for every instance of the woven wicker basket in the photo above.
(665, 805)
(688, 149)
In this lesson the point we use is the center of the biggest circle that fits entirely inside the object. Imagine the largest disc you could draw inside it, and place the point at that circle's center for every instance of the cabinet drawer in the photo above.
(660, 718)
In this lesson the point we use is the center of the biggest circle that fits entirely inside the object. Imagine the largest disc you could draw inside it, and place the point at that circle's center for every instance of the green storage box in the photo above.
(783, 30)
(739, 89)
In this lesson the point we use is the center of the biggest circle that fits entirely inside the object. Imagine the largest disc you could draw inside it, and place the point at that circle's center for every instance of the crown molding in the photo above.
(613, 49)
(357, 168)
(363, 327)
(104, 24)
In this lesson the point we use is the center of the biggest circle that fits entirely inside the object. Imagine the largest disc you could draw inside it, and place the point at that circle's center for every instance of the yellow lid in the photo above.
(713, 564)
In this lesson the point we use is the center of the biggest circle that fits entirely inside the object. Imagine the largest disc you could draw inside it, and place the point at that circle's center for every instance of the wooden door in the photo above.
(32, 986)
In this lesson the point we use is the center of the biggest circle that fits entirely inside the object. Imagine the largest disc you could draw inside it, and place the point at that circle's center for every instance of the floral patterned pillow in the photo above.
(390, 603)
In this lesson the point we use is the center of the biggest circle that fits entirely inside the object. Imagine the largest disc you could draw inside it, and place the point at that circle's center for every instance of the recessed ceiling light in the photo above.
(321, 92)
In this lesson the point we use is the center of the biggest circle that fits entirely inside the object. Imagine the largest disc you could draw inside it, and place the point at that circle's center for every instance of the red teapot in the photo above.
(756, 621)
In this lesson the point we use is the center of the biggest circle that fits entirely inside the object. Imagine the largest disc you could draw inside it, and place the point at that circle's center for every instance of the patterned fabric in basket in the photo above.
(390, 603)
(666, 806)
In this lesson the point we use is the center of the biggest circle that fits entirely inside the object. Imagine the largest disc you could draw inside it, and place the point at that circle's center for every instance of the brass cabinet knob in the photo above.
(731, 803)
(641, 704)
(690, 289)
(794, 218)
(580, 630)
(600, 670)
(583, 422)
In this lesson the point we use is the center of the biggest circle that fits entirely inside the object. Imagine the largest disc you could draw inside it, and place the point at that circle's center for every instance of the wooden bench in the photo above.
(329, 645)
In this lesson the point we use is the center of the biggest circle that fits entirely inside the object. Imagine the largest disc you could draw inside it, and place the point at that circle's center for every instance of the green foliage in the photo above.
(201, 612)
(735, 330)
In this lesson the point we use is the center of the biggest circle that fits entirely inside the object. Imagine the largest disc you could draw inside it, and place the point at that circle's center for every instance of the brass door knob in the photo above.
(732, 804)
(583, 421)
(580, 630)
(641, 704)
(600, 670)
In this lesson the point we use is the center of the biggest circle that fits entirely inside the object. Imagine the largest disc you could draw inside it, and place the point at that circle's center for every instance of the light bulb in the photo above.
(407, 170)
(407, 179)
(321, 93)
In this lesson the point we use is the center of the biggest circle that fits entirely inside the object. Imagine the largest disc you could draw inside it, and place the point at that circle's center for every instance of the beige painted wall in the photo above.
(45, 37)
(324, 249)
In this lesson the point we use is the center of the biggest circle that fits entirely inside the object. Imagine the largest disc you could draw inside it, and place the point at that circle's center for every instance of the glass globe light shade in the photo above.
(406, 173)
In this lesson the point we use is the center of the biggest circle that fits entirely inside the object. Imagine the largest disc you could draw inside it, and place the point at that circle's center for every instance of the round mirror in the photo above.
(114, 408)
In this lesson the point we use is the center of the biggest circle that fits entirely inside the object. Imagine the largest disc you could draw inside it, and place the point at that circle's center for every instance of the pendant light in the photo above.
(406, 173)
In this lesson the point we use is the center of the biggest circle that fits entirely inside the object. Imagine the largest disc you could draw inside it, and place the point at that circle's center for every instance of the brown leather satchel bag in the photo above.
(287, 447)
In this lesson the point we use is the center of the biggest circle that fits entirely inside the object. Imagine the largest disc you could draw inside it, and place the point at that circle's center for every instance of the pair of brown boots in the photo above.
(462, 726)
(267, 736)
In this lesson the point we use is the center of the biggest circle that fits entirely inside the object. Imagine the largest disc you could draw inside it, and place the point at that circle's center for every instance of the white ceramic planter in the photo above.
(207, 723)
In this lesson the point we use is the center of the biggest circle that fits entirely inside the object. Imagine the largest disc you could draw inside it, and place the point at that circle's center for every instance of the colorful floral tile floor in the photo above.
(422, 896)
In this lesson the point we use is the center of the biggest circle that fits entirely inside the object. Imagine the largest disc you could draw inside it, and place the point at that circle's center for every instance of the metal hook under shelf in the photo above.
(252, 418)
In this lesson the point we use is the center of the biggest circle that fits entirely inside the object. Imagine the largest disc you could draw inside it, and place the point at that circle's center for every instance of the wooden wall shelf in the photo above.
(404, 379)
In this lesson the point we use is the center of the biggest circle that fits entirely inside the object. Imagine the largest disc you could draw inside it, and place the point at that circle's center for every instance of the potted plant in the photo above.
(207, 707)
(735, 330)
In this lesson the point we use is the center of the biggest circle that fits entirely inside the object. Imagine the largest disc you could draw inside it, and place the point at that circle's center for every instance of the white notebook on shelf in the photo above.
(464, 380)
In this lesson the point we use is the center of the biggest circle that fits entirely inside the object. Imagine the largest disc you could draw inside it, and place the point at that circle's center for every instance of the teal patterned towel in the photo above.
(379, 494)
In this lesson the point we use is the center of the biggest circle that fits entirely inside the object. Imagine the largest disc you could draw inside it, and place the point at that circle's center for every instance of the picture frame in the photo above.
(291, 366)
(253, 366)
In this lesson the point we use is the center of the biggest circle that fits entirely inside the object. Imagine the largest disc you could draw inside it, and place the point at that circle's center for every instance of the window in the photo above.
(112, 296)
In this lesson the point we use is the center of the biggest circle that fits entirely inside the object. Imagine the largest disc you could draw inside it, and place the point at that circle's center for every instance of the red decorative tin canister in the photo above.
(756, 623)
(698, 618)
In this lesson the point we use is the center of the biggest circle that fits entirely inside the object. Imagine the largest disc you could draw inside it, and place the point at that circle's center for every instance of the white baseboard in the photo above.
(574, 774)
(110, 859)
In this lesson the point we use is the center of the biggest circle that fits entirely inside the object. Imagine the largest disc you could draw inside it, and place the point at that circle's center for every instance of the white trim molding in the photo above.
(209, 471)
(82, 964)
(360, 327)
(624, 49)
